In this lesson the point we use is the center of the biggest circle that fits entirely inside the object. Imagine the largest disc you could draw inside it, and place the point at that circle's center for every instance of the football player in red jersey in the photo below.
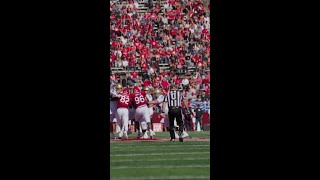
(142, 114)
(122, 114)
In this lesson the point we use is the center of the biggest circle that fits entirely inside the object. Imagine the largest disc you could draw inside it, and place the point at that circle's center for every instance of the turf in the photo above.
(161, 160)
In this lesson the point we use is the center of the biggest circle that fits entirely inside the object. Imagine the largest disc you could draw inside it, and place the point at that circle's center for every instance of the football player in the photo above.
(113, 107)
(149, 97)
(122, 114)
(163, 106)
(142, 114)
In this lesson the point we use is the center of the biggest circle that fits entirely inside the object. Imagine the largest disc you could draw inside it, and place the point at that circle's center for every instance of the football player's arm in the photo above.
(164, 106)
(159, 100)
(154, 102)
(113, 93)
(148, 100)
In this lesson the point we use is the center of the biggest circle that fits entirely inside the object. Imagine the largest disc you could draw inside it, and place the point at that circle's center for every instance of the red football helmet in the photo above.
(136, 89)
(126, 90)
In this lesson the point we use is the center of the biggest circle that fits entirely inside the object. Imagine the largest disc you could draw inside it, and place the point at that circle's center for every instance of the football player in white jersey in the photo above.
(113, 105)
(163, 106)
(150, 107)
(114, 127)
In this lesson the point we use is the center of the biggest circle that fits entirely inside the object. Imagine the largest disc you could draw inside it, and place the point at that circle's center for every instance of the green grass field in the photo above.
(132, 160)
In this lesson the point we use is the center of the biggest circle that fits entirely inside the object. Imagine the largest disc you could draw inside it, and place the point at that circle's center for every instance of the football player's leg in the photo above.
(111, 126)
(147, 118)
(125, 120)
(150, 124)
(138, 117)
(180, 122)
(119, 123)
(162, 123)
(129, 126)
(113, 120)
(171, 125)
(193, 123)
(113, 107)
(181, 126)
(166, 122)
(144, 128)
(136, 125)
(200, 122)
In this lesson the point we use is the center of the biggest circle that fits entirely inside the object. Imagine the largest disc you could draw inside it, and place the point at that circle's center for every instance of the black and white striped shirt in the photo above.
(174, 98)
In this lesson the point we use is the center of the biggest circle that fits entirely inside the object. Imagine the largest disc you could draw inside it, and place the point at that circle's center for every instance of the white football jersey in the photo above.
(113, 92)
(149, 98)
(161, 99)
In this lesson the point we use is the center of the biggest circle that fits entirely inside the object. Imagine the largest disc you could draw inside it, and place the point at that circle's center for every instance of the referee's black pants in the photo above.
(175, 113)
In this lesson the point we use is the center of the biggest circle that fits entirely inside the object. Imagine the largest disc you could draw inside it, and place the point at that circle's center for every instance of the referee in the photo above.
(173, 99)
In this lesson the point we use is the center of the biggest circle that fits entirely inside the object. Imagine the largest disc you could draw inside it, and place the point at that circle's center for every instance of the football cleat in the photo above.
(125, 136)
(180, 136)
(145, 136)
(151, 134)
(176, 135)
(172, 140)
(185, 134)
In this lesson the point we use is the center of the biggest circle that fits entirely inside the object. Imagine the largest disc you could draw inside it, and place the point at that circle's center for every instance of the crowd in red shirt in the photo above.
(181, 40)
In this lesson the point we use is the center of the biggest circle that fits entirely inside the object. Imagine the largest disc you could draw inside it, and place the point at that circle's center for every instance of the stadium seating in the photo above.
(196, 8)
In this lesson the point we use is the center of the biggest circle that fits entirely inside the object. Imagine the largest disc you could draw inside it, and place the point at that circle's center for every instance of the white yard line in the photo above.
(161, 177)
(147, 149)
(149, 160)
(160, 166)
(116, 147)
(165, 153)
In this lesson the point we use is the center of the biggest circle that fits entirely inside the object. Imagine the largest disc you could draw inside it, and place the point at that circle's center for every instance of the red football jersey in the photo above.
(123, 100)
(139, 99)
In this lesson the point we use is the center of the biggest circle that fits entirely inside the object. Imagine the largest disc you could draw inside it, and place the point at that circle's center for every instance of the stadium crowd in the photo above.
(175, 33)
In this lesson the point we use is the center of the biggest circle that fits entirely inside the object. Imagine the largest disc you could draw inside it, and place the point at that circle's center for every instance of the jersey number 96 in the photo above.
(139, 99)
